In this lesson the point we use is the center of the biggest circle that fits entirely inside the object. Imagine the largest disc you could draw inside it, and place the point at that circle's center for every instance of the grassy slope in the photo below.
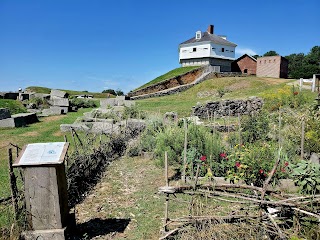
(239, 87)
(38, 89)
(13, 105)
(168, 75)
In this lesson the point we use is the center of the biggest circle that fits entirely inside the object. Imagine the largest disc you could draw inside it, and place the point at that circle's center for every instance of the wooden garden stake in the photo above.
(302, 139)
(208, 115)
(65, 138)
(279, 128)
(167, 195)
(229, 121)
(185, 151)
(214, 121)
(13, 185)
(239, 124)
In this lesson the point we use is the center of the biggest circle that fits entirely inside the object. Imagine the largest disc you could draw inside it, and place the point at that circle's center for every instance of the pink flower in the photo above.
(203, 158)
(238, 164)
(295, 93)
(286, 164)
(223, 155)
(261, 171)
(283, 170)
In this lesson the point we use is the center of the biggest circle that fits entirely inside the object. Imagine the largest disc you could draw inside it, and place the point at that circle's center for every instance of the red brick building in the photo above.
(245, 64)
(272, 66)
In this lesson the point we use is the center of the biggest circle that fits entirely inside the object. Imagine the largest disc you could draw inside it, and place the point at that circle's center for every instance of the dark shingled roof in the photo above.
(210, 37)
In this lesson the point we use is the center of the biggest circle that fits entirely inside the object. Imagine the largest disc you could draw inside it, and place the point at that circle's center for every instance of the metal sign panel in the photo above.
(42, 154)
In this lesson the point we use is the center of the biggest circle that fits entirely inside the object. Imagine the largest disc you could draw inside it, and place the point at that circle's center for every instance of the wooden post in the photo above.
(214, 121)
(279, 128)
(166, 168)
(13, 185)
(239, 124)
(229, 122)
(302, 139)
(185, 150)
(208, 116)
(65, 138)
(166, 218)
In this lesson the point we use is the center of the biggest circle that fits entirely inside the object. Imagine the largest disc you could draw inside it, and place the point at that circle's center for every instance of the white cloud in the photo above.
(240, 51)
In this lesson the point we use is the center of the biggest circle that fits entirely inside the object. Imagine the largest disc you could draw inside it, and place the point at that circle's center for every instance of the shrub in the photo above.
(307, 176)
(286, 96)
(253, 163)
(133, 112)
(255, 127)
(82, 103)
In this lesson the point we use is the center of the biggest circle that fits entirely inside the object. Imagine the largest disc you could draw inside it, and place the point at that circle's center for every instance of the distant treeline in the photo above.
(301, 65)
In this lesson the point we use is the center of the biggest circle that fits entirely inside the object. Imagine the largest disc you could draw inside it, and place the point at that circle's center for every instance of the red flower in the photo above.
(283, 170)
(261, 171)
(238, 164)
(223, 155)
(286, 164)
(295, 93)
(203, 158)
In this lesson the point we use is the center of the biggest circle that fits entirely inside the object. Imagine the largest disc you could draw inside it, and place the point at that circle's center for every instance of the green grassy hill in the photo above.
(229, 87)
(38, 89)
(168, 75)
(13, 105)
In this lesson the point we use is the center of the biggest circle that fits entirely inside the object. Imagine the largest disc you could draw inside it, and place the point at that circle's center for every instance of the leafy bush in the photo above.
(253, 163)
(133, 112)
(82, 103)
(307, 176)
(255, 127)
(285, 96)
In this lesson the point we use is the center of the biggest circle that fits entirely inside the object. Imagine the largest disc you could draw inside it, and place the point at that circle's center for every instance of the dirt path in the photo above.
(125, 204)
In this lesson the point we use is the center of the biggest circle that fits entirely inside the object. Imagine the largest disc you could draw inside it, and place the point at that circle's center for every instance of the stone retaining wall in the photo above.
(222, 108)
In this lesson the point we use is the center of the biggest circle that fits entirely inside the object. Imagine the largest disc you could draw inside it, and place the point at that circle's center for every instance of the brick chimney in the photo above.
(210, 29)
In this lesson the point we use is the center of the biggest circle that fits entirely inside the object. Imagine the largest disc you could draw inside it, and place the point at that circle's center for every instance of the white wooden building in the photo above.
(206, 48)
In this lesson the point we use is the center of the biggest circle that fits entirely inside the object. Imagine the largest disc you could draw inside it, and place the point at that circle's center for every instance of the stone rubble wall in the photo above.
(222, 108)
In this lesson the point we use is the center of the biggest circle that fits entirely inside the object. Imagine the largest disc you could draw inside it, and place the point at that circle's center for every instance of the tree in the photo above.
(111, 91)
(271, 53)
(295, 67)
(119, 92)
(255, 56)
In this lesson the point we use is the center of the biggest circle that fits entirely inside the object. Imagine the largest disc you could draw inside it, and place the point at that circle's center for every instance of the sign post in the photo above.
(45, 189)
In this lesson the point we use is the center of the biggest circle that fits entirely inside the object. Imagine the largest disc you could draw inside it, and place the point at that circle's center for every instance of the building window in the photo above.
(222, 49)
(274, 60)
(231, 51)
(194, 49)
(265, 61)
(260, 61)
(270, 61)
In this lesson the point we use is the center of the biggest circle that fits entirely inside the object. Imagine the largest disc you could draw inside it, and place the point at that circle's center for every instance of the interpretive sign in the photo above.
(42, 154)
(45, 189)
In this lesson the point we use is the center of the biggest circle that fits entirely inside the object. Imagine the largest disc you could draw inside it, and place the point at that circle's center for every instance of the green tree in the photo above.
(271, 53)
(119, 92)
(255, 56)
(111, 91)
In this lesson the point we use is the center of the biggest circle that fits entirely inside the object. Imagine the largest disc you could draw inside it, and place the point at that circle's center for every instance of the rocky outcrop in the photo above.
(228, 107)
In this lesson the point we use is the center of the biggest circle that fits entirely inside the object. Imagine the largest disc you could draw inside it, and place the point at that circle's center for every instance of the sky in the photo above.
(95, 45)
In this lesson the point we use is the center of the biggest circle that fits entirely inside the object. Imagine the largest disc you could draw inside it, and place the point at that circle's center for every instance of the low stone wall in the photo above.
(226, 107)
(183, 79)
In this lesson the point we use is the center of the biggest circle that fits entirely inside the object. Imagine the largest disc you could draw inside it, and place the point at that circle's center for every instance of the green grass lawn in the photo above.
(234, 87)
(168, 75)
